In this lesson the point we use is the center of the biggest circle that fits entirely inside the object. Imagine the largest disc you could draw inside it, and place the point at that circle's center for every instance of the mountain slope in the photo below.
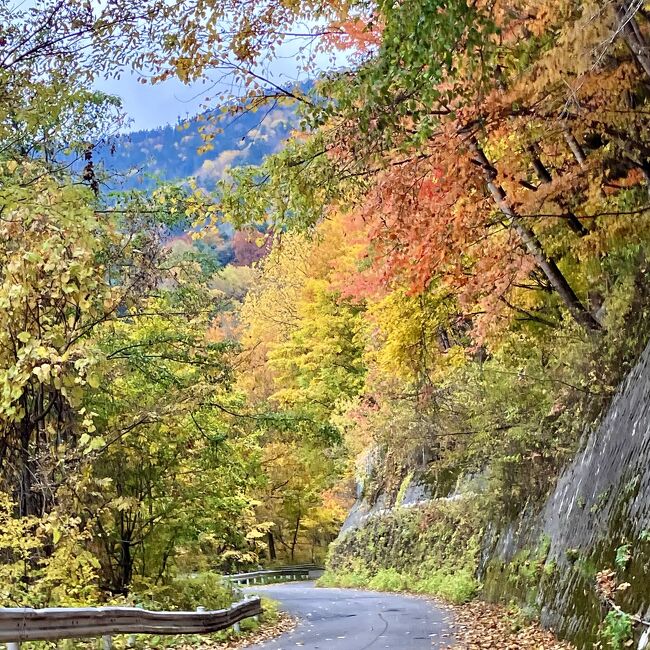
(137, 160)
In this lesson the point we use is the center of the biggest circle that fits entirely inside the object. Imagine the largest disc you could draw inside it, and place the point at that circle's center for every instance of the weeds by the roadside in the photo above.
(459, 587)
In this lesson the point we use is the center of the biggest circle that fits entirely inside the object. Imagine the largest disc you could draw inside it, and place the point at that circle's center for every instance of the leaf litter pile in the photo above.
(485, 626)
(266, 632)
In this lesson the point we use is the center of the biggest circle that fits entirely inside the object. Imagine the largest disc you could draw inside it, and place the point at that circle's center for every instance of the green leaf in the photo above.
(93, 380)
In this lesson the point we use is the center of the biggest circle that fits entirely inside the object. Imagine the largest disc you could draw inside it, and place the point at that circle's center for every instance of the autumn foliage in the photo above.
(445, 268)
(487, 165)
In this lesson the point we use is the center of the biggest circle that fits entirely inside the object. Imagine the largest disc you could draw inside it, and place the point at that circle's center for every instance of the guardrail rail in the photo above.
(25, 624)
(299, 572)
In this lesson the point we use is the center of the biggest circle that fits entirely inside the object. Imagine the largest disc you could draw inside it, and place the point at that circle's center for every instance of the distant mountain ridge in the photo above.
(139, 159)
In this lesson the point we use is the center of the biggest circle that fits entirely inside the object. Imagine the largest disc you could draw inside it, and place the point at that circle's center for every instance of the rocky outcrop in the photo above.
(413, 491)
(597, 517)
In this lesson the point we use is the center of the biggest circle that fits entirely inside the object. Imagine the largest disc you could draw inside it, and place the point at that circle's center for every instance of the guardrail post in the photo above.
(130, 641)
(236, 627)
(13, 645)
(107, 642)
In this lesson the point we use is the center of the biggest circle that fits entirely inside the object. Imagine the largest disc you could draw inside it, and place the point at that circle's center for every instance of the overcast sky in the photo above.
(150, 106)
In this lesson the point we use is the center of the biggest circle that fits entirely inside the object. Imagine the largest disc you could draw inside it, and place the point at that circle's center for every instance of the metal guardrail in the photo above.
(299, 572)
(24, 624)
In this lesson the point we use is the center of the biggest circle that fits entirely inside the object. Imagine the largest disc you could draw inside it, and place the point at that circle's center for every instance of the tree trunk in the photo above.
(126, 565)
(27, 505)
(576, 149)
(532, 243)
(271, 545)
(540, 168)
(125, 556)
(545, 177)
(631, 34)
(576, 225)
(294, 541)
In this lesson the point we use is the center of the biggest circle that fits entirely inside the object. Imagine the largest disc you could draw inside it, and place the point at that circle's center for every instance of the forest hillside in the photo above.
(192, 148)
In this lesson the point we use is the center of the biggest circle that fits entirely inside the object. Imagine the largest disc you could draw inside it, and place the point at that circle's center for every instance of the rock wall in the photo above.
(413, 491)
(597, 517)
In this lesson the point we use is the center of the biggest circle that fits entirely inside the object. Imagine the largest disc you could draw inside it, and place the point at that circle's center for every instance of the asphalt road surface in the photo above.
(350, 619)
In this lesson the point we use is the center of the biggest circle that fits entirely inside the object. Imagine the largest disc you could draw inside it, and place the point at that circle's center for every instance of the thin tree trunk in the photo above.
(545, 177)
(295, 538)
(125, 555)
(540, 168)
(629, 30)
(26, 502)
(576, 149)
(575, 224)
(532, 243)
(271, 545)
(163, 565)
(126, 565)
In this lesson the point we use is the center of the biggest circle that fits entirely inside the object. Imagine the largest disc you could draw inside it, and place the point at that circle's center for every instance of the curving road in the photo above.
(350, 619)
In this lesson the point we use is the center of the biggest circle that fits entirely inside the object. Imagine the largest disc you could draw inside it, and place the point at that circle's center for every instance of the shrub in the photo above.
(457, 587)
(186, 593)
(389, 580)
(616, 630)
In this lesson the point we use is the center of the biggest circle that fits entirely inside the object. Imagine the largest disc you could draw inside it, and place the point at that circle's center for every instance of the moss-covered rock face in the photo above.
(545, 558)
(431, 548)
(562, 592)
(597, 517)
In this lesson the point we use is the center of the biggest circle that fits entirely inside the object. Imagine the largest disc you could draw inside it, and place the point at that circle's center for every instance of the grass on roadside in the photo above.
(458, 587)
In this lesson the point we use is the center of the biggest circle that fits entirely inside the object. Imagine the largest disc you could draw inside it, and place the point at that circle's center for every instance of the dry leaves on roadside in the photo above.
(484, 626)
(285, 623)
(266, 632)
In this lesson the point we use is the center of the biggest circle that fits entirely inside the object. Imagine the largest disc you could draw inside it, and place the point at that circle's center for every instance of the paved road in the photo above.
(349, 619)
